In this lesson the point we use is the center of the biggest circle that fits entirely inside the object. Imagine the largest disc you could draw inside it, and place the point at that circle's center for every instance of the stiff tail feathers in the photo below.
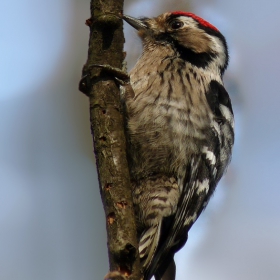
(148, 244)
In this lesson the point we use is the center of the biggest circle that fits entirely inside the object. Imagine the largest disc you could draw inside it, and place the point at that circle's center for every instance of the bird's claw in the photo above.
(118, 73)
(121, 77)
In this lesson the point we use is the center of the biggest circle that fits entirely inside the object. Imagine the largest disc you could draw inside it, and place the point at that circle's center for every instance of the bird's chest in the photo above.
(166, 121)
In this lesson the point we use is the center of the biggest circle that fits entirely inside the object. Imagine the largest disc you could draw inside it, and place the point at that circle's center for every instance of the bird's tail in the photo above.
(148, 244)
(170, 272)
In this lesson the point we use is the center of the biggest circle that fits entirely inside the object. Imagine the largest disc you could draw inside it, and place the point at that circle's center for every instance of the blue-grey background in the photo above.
(51, 217)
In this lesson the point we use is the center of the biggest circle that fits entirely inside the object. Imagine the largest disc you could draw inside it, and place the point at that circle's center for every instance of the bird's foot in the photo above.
(120, 76)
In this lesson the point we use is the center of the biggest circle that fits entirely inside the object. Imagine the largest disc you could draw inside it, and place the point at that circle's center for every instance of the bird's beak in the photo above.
(135, 22)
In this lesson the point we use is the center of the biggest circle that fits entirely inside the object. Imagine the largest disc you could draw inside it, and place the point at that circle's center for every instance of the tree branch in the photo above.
(107, 126)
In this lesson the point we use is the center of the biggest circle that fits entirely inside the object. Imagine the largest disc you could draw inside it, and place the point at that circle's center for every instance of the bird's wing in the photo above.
(201, 177)
(197, 186)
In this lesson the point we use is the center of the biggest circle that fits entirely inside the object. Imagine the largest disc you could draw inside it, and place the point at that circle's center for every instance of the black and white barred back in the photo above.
(180, 129)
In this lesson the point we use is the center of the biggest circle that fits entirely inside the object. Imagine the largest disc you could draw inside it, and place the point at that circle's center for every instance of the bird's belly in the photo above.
(162, 139)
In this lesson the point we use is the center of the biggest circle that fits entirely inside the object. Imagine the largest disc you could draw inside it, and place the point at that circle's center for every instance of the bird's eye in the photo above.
(176, 24)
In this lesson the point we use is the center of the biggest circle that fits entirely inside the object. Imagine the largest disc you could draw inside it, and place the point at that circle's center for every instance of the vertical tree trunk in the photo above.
(107, 126)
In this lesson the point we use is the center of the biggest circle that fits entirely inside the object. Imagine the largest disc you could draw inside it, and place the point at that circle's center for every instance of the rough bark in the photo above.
(107, 126)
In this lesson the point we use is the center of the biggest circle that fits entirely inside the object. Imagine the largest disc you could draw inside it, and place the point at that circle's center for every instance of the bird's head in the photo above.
(193, 38)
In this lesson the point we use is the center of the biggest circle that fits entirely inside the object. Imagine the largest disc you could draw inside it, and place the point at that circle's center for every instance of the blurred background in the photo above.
(51, 217)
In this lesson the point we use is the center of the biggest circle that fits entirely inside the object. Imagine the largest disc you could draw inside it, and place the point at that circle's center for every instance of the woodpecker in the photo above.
(180, 129)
